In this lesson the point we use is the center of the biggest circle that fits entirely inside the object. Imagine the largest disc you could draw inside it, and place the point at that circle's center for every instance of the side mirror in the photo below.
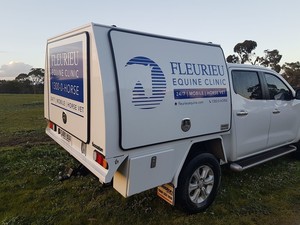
(297, 96)
(284, 95)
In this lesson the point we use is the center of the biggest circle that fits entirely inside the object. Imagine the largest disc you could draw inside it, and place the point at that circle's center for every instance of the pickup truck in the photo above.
(146, 111)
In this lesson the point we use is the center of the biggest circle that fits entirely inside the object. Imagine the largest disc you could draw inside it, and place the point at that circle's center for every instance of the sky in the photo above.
(27, 24)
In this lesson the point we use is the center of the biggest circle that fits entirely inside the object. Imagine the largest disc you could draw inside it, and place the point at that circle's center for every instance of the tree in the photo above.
(22, 77)
(33, 82)
(245, 54)
(271, 59)
(292, 73)
(232, 59)
(244, 51)
(36, 76)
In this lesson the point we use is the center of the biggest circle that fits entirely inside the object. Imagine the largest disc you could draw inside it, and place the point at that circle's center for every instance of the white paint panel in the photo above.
(163, 82)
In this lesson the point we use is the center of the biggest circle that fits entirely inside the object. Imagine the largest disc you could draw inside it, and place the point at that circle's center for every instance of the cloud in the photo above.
(13, 69)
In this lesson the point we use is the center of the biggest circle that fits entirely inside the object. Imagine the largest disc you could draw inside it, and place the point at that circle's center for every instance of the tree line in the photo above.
(244, 52)
(31, 83)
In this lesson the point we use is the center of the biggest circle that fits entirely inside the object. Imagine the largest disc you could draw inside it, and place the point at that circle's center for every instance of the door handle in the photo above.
(276, 111)
(242, 113)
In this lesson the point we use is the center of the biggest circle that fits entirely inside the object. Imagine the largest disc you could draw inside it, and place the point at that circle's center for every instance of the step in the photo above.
(243, 164)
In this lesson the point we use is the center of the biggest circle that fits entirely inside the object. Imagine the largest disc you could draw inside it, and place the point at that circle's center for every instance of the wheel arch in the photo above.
(212, 146)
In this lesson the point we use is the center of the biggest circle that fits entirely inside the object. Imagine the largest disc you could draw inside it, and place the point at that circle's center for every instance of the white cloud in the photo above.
(13, 69)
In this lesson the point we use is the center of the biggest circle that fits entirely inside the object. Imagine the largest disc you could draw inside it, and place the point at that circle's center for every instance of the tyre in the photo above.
(198, 183)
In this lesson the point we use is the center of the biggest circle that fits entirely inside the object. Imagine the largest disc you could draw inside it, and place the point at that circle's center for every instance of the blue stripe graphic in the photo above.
(155, 96)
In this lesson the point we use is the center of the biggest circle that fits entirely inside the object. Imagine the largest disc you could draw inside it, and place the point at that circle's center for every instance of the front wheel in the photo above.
(198, 183)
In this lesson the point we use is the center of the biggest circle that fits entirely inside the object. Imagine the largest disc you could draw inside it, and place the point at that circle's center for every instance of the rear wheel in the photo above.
(198, 183)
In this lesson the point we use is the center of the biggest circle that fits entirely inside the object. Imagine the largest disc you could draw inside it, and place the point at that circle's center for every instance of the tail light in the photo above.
(99, 158)
(50, 125)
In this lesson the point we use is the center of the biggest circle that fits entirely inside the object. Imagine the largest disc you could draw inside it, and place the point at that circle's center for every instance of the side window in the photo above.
(277, 89)
(246, 84)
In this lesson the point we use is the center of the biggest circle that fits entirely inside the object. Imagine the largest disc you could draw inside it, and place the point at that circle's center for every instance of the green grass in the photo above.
(21, 118)
(30, 192)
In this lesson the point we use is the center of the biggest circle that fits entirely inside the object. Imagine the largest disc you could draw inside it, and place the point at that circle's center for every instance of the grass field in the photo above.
(30, 192)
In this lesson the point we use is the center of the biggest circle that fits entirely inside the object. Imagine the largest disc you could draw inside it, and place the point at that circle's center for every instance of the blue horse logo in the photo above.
(158, 89)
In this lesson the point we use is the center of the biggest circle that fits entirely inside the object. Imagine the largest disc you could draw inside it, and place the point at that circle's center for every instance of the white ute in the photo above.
(151, 111)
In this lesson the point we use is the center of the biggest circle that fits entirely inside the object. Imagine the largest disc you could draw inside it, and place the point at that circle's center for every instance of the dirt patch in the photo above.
(29, 137)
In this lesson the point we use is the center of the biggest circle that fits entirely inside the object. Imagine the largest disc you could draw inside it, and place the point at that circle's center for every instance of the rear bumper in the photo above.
(105, 176)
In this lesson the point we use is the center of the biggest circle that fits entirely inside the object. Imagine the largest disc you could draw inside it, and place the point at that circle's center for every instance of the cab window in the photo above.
(277, 89)
(247, 84)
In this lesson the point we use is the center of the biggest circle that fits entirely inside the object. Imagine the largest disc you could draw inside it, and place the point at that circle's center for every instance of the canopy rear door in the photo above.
(68, 80)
